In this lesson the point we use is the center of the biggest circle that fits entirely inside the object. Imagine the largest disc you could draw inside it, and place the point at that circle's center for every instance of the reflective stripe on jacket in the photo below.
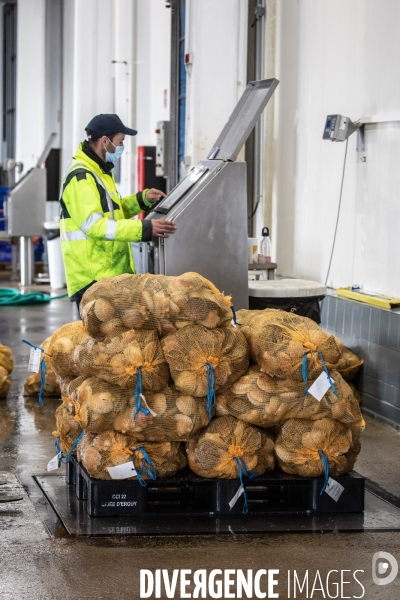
(95, 224)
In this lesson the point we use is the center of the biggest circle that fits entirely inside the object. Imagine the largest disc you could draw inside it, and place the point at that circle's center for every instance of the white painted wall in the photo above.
(336, 56)
(153, 59)
(216, 37)
(87, 69)
(30, 101)
(135, 34)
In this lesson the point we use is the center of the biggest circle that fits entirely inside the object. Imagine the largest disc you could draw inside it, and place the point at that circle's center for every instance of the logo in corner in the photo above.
(381, 562)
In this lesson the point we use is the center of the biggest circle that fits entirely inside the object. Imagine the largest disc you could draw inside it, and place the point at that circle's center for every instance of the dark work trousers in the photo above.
(77, 297)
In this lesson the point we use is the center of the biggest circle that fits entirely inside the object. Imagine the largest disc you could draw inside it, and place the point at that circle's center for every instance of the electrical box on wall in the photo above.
(162, 148)
(338, 128)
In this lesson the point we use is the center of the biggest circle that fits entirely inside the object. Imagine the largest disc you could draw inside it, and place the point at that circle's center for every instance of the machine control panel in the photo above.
(181, 189)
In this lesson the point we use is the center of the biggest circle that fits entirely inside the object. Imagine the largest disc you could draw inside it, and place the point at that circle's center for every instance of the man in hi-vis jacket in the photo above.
(96, 227)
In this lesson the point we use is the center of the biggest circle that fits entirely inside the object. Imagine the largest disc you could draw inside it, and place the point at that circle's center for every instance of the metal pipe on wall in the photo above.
(26, 260)
(259, 133)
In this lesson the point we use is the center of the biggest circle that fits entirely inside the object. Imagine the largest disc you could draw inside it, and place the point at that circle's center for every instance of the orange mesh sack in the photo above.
(280, 341)
(110, 448)
(68, 428)
(349, 364)
(5, 383)
(299, 442)
(194, 351)
(62, 344)
(262, 400)
(6, 358)
(51, 386)
(159, 416)
(118, 360)
(213, 452)
(52, 383)
(244, 317)
(157, 302)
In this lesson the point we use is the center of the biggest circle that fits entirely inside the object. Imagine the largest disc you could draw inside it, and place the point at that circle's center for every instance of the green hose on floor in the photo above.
(11, 296)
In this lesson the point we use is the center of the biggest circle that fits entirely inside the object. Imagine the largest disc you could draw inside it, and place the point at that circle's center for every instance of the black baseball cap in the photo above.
(107, 125)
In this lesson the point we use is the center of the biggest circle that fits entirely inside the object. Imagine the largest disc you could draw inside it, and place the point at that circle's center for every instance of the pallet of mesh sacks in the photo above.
(221, 458)
(153, 360)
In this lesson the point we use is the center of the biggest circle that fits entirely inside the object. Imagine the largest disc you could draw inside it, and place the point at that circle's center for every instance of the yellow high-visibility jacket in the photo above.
(95, 224)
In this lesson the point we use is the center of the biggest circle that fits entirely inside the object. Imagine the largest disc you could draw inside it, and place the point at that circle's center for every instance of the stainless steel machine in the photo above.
(26, 212)
(209, 208)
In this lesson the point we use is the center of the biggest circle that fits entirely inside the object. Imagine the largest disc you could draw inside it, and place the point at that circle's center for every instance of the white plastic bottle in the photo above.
(265, 247)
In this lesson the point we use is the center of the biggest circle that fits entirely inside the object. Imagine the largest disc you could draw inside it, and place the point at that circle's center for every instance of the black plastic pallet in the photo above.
(187, 494)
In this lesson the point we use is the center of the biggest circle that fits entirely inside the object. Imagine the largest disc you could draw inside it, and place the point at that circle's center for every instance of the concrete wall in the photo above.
(335, 56)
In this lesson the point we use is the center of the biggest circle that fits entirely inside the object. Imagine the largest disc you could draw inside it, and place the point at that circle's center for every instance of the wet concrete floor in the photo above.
(34, 565)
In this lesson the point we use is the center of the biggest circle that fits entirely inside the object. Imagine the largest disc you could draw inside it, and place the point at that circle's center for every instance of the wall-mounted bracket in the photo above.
(373, 120)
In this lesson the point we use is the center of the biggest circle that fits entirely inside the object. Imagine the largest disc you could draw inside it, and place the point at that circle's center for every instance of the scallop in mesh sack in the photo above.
(52, 383)
(61, 348)
(110, 448)
(68, 429)
(244, 316)
(172, 416)
(349, 364)
(6, 358)
(288, 346)
(300, 443)
(200, 359)
(262, 400)
(217, 450)
(159, 416)
(5, 383)
(125, 359)
(157, 302)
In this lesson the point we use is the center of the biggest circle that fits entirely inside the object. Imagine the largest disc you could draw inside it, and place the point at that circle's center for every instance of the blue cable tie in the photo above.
(327, 374)
(211, 398)
(234, 315)
(43, 368)
(305, 375)
(325, 462)
(147, 466)
(242, 471)
(138, 395)
(65, 458)
(58, 451)
(304, 372)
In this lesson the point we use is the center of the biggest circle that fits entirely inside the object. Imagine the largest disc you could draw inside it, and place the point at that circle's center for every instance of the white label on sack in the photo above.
(334, 489)
(147, 406)
(320, 386)
(236, 497)
(34, 360)
(122, 471)
(52, 465)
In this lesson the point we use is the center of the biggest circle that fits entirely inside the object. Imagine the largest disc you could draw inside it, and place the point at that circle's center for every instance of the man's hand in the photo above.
(162, 228)
(154, 195)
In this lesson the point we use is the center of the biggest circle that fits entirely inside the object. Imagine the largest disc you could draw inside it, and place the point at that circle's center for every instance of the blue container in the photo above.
(39, 249)
(5, 252)
(3, 195)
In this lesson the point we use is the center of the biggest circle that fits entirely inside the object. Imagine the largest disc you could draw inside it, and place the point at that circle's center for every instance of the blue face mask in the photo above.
(113, 157)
